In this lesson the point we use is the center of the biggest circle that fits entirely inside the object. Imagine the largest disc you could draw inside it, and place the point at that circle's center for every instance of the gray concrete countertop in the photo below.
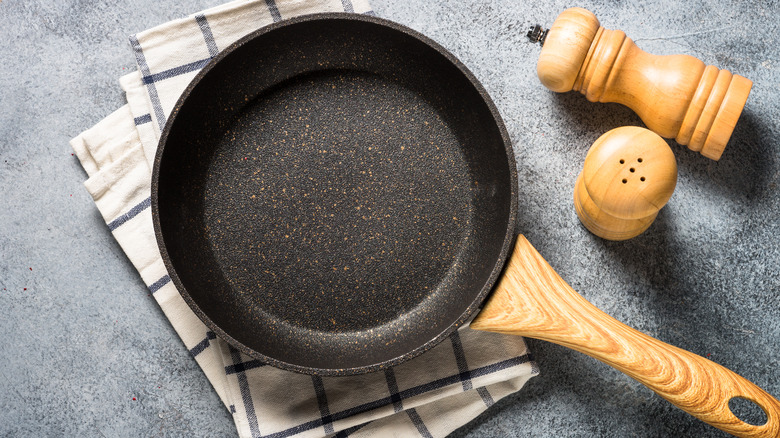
(86, 352)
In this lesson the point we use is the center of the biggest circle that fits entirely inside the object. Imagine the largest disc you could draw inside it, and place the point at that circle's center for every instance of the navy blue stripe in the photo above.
(202, 345)
(347, 6)
(460, 359)
(144, 67)
(246, 396)
(198, 349)
(418, 423)
(140, 120)
(534, 366)
(143, 205)
(486, 397)
(243, 366)
(347, 432)
(273, 10)
(150, 79)
(154, 287)
(322, 401)
(205, 29)
(392, 385)
(405, 394)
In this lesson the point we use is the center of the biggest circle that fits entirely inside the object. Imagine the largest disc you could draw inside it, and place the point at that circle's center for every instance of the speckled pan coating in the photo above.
(334, 194)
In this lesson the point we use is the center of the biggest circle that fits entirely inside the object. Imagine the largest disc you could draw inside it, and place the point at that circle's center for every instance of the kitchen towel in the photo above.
(431, 395)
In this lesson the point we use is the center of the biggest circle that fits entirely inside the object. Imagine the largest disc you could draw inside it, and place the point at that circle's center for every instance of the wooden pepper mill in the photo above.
(677, 96)
(629, 174)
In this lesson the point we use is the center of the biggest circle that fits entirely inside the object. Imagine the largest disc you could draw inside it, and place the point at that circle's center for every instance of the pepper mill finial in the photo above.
(677, 96)
(536, 34)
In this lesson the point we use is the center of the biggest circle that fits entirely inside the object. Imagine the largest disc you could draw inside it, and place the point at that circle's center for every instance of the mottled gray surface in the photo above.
(82, 338)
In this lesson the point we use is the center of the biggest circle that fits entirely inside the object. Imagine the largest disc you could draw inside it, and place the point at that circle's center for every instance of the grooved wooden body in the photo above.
(532, 300)
(677, 96)
(603, 224)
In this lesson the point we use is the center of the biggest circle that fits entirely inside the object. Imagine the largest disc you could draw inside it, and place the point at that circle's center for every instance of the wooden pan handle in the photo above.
(532, 300)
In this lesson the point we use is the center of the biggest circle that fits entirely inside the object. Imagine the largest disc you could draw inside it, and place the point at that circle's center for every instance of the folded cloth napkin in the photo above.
(430, 395)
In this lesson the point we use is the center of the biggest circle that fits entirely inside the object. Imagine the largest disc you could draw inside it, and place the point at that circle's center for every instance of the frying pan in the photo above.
(335, 194)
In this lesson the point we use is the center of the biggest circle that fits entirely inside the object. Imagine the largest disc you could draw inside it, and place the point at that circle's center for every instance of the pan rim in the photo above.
(469, 311)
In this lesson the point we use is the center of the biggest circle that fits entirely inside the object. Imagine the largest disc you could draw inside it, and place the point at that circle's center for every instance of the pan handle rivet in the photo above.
(628, 175)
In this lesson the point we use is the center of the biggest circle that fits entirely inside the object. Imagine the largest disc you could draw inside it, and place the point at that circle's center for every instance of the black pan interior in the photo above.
(334, 194)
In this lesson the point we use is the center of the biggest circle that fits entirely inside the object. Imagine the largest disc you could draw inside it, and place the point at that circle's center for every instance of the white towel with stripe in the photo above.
(431, 395)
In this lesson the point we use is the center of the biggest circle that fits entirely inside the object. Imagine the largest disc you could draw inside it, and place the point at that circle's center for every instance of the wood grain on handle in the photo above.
(532, 300)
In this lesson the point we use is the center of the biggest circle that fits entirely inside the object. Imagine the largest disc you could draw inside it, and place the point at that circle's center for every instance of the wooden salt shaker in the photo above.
(677, 96)
(628, 175)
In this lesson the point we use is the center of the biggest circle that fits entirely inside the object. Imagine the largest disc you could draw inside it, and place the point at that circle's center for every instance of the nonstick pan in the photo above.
(335, 194)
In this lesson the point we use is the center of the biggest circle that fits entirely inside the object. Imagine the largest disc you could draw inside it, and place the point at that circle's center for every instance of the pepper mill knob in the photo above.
(628, 175)
(676, 96)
